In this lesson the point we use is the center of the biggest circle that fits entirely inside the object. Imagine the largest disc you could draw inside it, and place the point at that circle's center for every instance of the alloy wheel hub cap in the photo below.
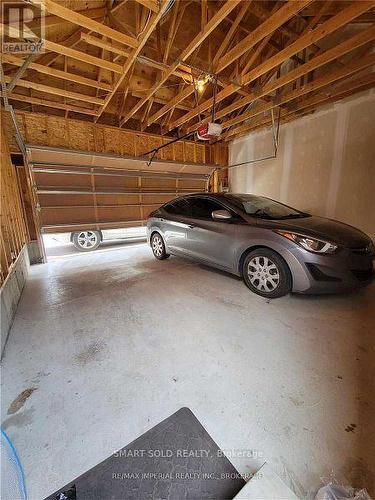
(157, 246)
(263, 274)
(87, 239)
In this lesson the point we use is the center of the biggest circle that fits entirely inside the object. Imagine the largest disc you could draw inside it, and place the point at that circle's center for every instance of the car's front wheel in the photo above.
(266, 273)
(86, 241)
(158, 247)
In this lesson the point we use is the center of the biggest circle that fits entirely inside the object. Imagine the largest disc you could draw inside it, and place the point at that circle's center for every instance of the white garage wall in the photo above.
(325, 164)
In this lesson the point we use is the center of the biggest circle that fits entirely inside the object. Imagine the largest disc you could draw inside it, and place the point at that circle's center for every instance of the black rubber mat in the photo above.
(175, 460)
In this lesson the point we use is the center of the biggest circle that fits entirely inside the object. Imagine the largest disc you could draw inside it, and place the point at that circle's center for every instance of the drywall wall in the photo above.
(325, 164)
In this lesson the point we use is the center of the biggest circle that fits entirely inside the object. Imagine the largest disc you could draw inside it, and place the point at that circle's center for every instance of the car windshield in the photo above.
(263, 208)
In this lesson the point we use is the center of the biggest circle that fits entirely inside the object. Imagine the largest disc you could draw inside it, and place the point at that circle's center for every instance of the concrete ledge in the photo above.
(35, 256)
(10, 293)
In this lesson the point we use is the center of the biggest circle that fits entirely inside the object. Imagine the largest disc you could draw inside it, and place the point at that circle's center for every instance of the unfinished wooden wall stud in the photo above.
(14, 233)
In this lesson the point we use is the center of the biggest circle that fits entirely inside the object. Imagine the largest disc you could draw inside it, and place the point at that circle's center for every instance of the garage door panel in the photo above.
(117, 199)
(193, 184)
(158, 183)
(102, 181)
(62, 180)
(121, 213)
(78, 189)
(78, 200)
(157, 199)
(57, 216)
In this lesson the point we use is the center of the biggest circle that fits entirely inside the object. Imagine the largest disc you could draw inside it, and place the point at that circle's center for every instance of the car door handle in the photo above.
(191, 226)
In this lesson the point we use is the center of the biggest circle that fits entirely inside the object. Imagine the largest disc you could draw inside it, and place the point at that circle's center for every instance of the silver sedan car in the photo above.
(276, 249)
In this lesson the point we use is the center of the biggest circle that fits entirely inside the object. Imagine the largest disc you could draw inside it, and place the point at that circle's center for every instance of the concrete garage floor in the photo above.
(113, 342)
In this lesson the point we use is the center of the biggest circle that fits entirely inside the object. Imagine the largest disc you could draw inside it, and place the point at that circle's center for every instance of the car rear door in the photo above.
(210, 240)
(175, 225)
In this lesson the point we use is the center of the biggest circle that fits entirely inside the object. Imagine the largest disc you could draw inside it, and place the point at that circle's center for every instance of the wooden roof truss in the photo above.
(135, 63)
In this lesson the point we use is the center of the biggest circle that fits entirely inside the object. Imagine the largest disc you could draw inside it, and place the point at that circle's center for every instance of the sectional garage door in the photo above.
(75, 189)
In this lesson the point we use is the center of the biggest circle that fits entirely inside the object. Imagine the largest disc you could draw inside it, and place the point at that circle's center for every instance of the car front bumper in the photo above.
(344, 271)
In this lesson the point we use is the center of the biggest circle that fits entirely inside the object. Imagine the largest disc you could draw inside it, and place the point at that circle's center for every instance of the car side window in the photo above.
(179, 207)
(202, 208)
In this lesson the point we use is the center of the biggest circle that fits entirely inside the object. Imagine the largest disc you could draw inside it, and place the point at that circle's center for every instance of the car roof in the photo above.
(204, 193)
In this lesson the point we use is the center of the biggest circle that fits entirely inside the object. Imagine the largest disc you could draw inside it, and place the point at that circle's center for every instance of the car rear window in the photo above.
(178, 207)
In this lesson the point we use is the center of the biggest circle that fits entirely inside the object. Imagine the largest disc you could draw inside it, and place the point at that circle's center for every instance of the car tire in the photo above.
(266, 273)
(86, 241)
(158, 247)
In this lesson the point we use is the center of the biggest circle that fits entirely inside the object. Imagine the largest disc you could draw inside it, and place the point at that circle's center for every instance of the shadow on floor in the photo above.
(68, 249)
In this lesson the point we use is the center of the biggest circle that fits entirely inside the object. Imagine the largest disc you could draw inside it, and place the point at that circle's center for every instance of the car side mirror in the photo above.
(221, 215)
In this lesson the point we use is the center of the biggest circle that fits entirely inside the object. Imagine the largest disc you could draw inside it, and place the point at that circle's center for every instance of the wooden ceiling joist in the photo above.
(228, 6)
(154, 20)
(51, 21)
(327, 79)
(49, 104)
(269, 26)
(339, 50)
(84, 21)
(82, 56)
(56, 91)
(341, 19)
(228, 37)
(143, 62)
(150, 4)
(72, 53)
(310, 104)
(354, 9)
(64, 75)
(97, 42)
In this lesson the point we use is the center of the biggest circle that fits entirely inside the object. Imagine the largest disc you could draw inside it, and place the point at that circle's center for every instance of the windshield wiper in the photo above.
(294, 216)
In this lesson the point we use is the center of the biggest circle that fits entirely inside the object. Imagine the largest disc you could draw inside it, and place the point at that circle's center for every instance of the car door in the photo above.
(210, 240)
(175, 224)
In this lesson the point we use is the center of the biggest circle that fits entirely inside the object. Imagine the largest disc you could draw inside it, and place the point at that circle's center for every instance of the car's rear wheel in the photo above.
(158, 247)
(266, 273)
(85, 241)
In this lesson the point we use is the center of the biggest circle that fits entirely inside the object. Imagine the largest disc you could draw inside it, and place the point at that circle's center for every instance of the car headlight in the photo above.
(308, 243)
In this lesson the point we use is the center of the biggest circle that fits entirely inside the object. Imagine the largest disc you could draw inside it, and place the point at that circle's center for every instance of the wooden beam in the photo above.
(276, 20)
(332, 94)
(171, 104)
(228, 37)
(69, 52)
(354, 10)
(56, 91)
(72, 77)
(104, 44)
(178, 15)
(228, 6)
(309, 105)
(289, 32)
(50, 21)
(82, 56)
(343, 17)
(155, 18)
(339, 50)
(84, 21)
(316, 84)
(50, 104)
(95, 41)
(150, 4)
